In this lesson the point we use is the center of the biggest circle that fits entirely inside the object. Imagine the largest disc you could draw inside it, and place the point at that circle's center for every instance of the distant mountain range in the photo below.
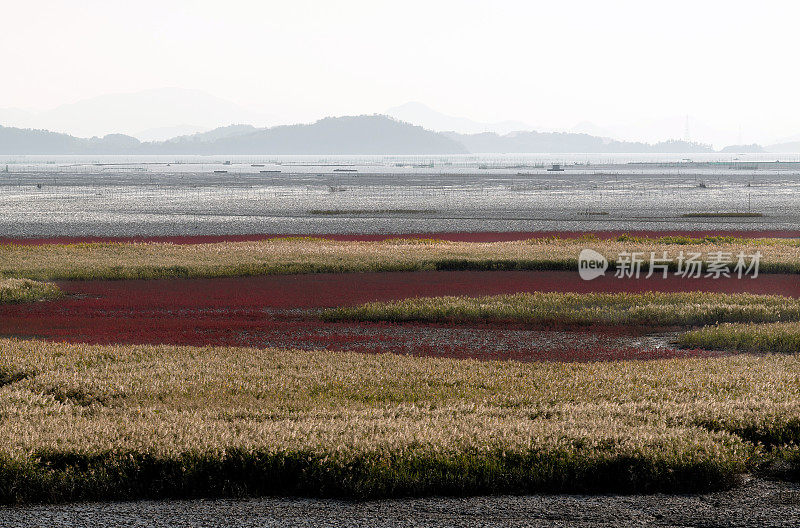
(427, 117)
(372, 134)
(564, 142)
(742, 149)
(156, 114)
(333, 135)
(789, 147)
(181, 117)
(163, 114)
(650, 130)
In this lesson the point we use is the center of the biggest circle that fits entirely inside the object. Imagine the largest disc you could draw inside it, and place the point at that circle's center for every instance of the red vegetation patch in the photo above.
(488, 236)
(272, 311)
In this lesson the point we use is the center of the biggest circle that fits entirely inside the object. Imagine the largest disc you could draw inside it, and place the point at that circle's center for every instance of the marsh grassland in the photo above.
(101, 422)
(83, 422)
(746, 337)
(654, 309)
(292, 255)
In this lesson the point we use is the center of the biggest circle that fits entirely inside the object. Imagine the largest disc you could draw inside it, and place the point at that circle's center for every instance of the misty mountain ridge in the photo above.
(332, 135)
(164, 133)
(161, 114)
(788, 147)
(210, 136)
(742, 149)
(135, 112)
(653, 130)
(365, 134)
(427, 117)
(565, 142)
(335, 135)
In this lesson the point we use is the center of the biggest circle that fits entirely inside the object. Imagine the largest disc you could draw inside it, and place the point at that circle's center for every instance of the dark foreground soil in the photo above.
(483, 236)
(279, 311)
(757, 503)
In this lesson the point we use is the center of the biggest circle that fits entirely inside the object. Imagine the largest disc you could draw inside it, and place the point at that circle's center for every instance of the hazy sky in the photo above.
(548, 63)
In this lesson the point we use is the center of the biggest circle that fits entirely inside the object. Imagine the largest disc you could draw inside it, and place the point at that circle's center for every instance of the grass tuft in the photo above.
(652, 309)
(26, 290)
(745, 337)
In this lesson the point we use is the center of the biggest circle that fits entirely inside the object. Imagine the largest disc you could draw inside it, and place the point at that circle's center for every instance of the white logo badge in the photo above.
(591, 264)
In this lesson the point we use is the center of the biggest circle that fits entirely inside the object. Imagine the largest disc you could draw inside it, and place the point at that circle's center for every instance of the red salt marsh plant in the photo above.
(282, 312)
(108, 422)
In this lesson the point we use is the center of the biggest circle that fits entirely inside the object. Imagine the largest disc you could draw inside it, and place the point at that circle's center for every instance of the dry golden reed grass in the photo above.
(26, 290)
(309, 255)
(630, 309)
(105, 422)
(746, 337)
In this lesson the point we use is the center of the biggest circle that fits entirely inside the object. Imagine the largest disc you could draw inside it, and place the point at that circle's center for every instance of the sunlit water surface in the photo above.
(190, 195)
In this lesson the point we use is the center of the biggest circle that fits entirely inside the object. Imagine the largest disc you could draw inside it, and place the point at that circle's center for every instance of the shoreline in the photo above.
(452, 236)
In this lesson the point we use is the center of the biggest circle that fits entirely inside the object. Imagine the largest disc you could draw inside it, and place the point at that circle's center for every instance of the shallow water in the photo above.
(113, 196)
